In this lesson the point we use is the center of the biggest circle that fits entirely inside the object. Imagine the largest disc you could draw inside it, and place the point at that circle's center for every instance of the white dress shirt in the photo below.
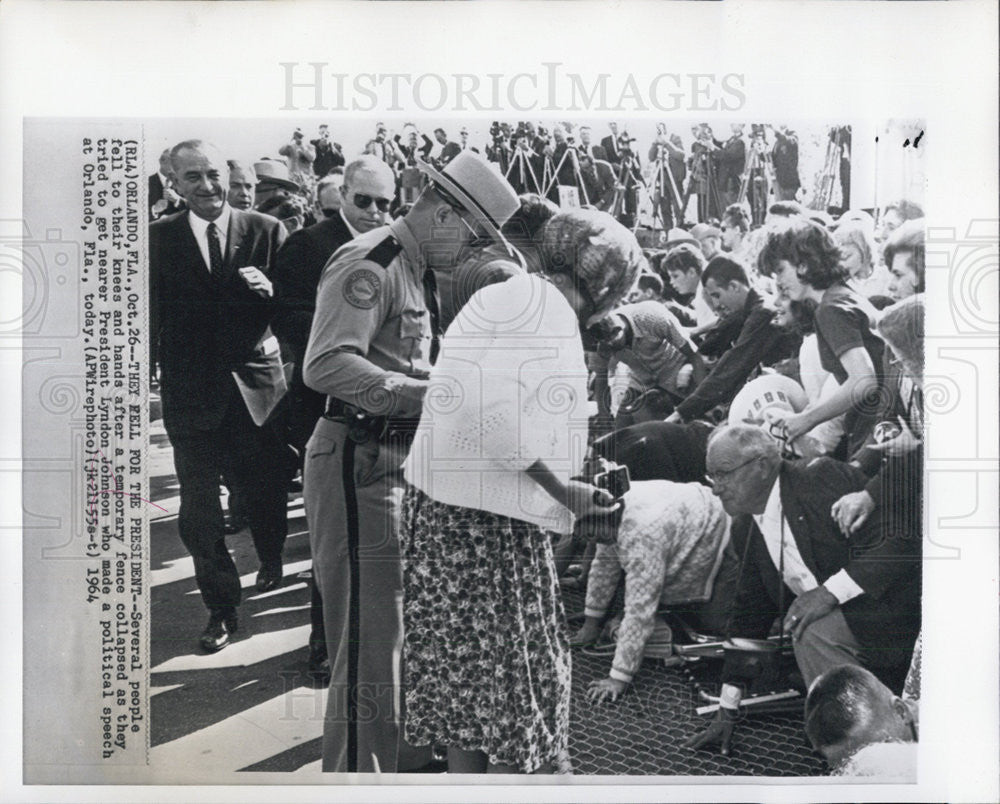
(799, 578)
(199, 226)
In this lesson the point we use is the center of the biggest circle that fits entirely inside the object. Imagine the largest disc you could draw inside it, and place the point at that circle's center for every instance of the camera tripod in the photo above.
(521, 162)
(827, 179)
(625, 207)
(758, 180)
(664, 187)
(703, 173)
(573, 157)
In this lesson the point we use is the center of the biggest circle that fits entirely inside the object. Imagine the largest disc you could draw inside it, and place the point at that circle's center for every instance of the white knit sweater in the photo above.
(509, 388)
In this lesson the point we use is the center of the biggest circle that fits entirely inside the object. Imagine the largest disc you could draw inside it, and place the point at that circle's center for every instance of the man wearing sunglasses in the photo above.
(365, 194)
(373, 339)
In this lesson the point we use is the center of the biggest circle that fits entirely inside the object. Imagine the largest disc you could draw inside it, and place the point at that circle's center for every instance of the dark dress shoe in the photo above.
(216, 634)
(269, 577)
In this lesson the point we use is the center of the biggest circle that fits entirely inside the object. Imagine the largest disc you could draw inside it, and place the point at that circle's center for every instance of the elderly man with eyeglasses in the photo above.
(374, 337)
(843, 601)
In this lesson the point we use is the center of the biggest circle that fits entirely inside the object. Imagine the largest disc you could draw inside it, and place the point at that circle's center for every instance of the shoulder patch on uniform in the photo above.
(385, 252)
(362, 288)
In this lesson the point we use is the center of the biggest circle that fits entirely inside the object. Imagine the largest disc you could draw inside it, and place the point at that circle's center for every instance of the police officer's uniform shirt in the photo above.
(371, 336)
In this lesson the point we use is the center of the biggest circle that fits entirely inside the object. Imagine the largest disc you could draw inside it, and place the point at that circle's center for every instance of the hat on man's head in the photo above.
(702, 230)
(270, 171)
(470, 180)
(676, 236)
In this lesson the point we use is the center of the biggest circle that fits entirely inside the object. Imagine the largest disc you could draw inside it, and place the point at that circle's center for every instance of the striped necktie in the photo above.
(214, 250)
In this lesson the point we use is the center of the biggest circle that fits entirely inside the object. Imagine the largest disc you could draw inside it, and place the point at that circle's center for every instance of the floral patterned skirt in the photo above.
(486, 657)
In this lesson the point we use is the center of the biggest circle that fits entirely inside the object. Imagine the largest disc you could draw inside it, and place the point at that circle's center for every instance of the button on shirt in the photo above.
(797, 576)
(371, 336)
(199, 227)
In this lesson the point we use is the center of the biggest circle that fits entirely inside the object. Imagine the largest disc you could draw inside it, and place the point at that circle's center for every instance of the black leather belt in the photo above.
(364, 426)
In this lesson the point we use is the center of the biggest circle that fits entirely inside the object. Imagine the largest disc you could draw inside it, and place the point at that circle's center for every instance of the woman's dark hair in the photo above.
(807, 246)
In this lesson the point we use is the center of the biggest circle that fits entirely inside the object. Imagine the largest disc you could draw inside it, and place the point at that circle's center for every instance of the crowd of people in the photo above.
(452, 365)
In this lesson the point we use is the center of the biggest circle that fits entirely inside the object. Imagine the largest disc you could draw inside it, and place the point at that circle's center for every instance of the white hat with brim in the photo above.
(270, 171)
(478, 188)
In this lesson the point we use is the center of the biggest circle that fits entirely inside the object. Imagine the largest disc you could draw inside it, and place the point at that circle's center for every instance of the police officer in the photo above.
(373, 339)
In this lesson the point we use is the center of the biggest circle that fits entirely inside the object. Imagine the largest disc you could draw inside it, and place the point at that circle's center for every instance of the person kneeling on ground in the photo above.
(672, 543)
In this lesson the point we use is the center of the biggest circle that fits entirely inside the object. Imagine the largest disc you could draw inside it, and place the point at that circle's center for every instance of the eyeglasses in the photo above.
(723, 475)
(362, 201)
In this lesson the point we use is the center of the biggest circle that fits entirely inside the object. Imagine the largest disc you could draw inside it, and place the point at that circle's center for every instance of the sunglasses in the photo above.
(362, 201)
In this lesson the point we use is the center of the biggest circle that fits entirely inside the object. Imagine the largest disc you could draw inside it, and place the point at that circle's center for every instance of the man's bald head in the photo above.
(742, 461)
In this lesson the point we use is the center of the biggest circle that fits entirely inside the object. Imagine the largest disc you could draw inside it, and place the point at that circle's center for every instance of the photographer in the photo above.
(299, 157)
(785, 157)
(328, 154)
(667, 151)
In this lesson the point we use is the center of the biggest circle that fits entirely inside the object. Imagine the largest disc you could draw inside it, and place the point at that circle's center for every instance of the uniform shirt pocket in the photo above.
(414, 329)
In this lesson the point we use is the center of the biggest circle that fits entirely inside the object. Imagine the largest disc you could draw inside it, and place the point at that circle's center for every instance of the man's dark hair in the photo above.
(909, 239)
(737, 215)
(528, 220)
(648, 280)
(684, 257)
(840, 703)
(785, 209)
(722, 270)
(807, 246)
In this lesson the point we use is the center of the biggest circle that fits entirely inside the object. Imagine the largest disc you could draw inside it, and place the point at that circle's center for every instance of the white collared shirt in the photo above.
(199, 226)
(797, 575)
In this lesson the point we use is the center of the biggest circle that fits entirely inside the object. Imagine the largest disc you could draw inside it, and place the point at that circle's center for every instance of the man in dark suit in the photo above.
(610, 145)
(221, 378)
(297, 269)
(449, 150)
(596, 152)
(843, 601)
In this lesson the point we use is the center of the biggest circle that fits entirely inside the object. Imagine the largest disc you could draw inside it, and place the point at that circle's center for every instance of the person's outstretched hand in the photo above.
(720, 730)
(606, 689)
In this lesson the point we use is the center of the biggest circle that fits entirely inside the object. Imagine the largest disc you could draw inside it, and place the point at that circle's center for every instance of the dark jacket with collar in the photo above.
(208, 326)
(884, 560)
(761, 341)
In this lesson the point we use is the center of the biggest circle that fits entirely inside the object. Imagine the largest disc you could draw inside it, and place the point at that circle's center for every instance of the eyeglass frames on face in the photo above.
(362, 201)
(723, 475)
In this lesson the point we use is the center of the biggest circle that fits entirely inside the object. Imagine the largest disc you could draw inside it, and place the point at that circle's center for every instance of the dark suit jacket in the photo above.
(449, 152)
(761, 341)
(596, 152)
(297, 270)
(210, 327)
(883, 560)
(610, 146)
